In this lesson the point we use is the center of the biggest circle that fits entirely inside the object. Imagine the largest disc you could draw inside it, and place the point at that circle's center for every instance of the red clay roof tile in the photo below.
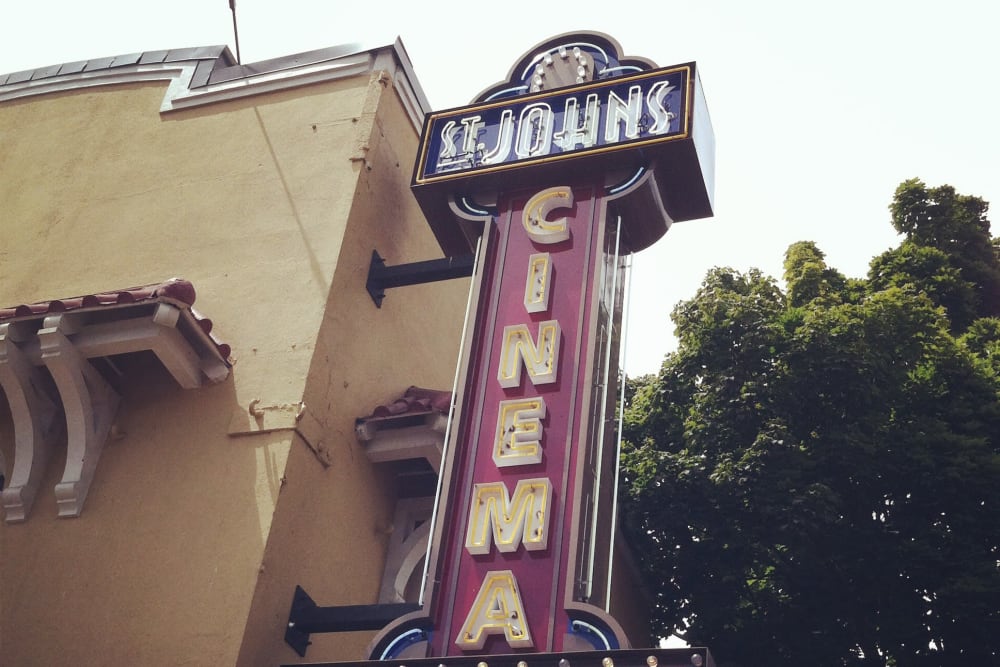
(415, 401)
(176, 291)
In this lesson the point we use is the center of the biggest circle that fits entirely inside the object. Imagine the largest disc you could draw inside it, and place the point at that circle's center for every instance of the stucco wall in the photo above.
(331, 528)
(270, 205)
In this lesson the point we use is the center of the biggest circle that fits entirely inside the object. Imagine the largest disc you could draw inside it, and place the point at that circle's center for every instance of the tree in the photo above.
(931, 271)
(956, 225)
(814, 475)
(807, 277)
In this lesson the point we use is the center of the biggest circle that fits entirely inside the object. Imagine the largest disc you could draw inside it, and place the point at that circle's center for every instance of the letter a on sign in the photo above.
(497, 609)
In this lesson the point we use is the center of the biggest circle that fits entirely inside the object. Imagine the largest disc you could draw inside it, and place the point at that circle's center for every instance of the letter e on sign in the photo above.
(518, 439)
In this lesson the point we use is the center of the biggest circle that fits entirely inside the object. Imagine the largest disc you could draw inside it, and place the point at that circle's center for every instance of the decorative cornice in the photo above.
(209, 75)
(60, 336)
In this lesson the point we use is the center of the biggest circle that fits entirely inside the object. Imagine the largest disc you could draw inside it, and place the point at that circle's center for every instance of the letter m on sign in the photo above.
(509, 522)
(539, 356)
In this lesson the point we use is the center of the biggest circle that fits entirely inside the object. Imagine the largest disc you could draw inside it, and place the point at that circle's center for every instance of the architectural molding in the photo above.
(89, 404)
(33, 413)
(268, 83)
(208, 75)
(407, 547)
(50, 382)
(398, 438)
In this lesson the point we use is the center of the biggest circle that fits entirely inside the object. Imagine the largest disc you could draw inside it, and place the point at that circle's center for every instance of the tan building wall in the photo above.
(200, 521)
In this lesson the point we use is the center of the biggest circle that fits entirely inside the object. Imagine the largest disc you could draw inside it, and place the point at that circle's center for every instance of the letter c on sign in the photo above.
(536, 211)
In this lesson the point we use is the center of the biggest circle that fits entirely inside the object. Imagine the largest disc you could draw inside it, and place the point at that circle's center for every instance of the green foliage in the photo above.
(814, 475)
(808, 278)
(982, 339)
(927, 269)
(956, 225)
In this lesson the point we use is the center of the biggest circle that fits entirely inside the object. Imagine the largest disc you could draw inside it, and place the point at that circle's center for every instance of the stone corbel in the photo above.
(159, 334)
(384, 441)
(172, 351)
(407, 547)
(33, 414)
(90, 404)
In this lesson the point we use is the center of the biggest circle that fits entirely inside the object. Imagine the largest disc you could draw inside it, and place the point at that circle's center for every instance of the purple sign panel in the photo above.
(624, 112)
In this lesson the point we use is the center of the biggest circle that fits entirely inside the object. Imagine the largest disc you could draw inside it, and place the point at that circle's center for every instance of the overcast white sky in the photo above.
(819, 109)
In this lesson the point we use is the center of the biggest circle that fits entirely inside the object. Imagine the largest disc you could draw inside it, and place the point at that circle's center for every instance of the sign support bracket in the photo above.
(382, 277)
(306, 617)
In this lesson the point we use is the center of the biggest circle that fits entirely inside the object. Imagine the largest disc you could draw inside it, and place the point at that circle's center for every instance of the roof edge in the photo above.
(207, 75)
(217, 53)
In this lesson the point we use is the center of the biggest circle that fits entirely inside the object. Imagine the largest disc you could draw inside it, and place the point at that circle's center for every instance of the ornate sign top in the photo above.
(565, 60)
(573, 106)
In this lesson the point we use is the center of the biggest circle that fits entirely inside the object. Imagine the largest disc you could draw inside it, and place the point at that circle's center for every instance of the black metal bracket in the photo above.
(382, 277)
(305, 618)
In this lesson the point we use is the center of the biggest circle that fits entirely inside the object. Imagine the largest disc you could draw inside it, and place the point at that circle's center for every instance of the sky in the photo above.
(820, 109)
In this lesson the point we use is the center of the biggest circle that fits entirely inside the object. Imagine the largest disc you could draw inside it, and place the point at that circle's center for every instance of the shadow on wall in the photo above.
(161, 564)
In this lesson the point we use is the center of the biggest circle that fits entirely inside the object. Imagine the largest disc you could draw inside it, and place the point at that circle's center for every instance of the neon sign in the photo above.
(519, 440)
(510, 571)
(581, 157)
(607, 115)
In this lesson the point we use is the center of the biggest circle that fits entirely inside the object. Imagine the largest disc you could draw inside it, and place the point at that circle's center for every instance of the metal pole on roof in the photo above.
(236, 32)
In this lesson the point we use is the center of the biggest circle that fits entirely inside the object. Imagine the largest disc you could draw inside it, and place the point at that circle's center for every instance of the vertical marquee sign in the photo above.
(581, 157)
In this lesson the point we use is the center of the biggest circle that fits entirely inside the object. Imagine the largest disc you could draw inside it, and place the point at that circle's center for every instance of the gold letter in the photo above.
(496, 609)
(522, 520)
(536, 287)
(540, 359)
(538, 207)
(518, 438)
